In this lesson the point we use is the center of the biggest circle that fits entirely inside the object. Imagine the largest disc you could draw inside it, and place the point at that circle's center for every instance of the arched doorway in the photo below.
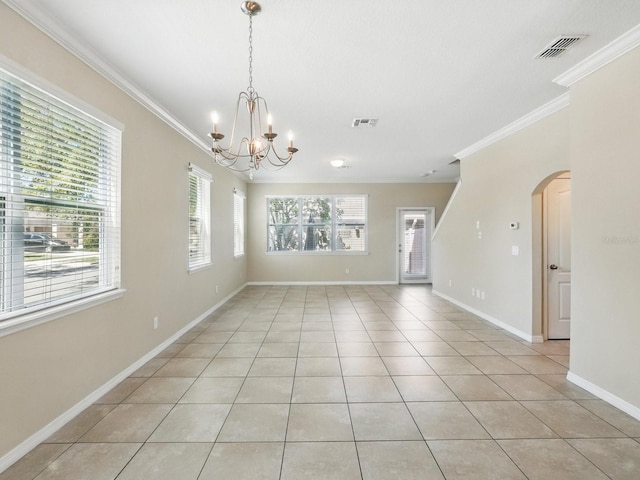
(551, 203)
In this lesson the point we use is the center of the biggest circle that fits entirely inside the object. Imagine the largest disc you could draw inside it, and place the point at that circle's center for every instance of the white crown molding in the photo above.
(523, 122)
(360, 180)
(602, 57)
(59, 35)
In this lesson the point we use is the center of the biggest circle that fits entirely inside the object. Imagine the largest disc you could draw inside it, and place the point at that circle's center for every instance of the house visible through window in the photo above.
(199, 217)
(59, 201)
(238, 223)
(332, 223)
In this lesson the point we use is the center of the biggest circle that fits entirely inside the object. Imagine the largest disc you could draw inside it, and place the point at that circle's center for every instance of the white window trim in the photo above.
(333, 225)
(49, 314)
(240, 194)
(207, 177)
(41, 315)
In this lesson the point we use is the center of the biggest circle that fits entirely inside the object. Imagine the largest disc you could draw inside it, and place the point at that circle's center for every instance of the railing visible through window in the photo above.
(59, 200)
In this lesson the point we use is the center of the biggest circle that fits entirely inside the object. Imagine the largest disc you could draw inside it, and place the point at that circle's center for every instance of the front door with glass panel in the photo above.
(414, 244)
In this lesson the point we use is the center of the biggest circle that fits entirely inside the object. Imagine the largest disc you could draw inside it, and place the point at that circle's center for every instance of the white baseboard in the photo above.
(608, 397)
(41, 435)
(499, 323)
(387, 282)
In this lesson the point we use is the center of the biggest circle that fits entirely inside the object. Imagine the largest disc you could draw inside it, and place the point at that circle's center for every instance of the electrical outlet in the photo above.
(473, 292)
(155, 323)
(217, 288)
(347, 270)
(450, 283)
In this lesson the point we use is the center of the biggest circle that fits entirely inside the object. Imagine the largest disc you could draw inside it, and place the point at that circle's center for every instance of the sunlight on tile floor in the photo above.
(344, 382)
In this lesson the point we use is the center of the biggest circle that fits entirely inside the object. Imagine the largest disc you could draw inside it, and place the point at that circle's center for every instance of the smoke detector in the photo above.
(364, 122)
(559, 46)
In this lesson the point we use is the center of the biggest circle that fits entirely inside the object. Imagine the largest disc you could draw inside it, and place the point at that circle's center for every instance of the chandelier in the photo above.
(251, 148)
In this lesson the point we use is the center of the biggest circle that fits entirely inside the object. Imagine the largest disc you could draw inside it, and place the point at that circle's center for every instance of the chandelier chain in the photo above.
(250, 89)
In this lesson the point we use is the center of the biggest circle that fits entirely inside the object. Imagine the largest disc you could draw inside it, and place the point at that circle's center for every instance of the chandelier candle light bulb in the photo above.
(249, 153)
(214, 119)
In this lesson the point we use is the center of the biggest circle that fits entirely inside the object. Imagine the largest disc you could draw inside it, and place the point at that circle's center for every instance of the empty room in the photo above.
(319, 240)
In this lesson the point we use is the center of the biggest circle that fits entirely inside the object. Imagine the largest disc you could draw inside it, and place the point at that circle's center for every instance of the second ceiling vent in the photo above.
(364, 122)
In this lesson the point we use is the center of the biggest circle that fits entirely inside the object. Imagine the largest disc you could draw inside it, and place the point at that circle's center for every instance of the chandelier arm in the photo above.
(241, 96)
(260, 100)
(278, 161)
(223, 161)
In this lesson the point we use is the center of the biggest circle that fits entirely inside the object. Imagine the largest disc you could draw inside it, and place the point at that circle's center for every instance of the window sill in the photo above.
(318, 253)
(23, 322)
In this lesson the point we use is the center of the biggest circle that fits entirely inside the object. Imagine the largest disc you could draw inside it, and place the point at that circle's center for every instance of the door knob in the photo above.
(553, 267)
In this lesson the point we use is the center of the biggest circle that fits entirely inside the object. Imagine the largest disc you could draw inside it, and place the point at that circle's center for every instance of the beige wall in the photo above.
(378, 266)
(605, 157)
(496, 189)
(46, 370)
(597, 139)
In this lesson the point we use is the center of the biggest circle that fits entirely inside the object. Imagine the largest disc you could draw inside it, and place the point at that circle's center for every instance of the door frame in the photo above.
(540, 320)
(399, 240)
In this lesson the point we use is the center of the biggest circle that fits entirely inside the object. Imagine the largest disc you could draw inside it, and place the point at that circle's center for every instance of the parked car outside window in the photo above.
(41, 242)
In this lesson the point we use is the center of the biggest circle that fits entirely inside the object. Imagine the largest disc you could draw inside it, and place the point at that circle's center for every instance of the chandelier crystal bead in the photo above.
(246, 152)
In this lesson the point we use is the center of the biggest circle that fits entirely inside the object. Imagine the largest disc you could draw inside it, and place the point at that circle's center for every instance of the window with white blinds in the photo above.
(59, 201)
(199, 217)
(238, 223)
(329, 223)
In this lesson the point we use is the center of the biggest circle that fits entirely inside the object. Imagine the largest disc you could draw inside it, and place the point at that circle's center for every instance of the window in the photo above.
(332, 223)
(238, 223)
(199, 217)
(59, 201)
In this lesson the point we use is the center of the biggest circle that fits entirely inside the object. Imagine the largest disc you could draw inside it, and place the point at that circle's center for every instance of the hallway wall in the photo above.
(47, 369)
(378, 266)
(605, 158)
(596, 138)
(472, 247)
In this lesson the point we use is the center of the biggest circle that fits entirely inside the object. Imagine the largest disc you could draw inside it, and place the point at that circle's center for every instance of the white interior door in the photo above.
(415, 227)
(557, 207)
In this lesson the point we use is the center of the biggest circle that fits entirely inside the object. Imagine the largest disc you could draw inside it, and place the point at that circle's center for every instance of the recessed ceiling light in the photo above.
(427, 173)
(338, 163)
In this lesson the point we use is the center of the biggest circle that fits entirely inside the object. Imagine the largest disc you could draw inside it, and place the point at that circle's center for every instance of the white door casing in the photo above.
(414, 230)
(557, 222)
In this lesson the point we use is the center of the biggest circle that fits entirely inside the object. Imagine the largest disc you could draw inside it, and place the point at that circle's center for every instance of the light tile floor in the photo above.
(373, 382)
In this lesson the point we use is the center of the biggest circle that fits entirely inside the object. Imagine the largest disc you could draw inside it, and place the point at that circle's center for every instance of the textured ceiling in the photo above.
(440, 75)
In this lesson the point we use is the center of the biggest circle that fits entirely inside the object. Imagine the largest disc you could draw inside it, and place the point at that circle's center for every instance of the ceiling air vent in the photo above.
(364, 122)
(559, 46)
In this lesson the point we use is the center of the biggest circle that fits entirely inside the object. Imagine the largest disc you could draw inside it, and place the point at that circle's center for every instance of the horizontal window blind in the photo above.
(199, 217)
(59, 200)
